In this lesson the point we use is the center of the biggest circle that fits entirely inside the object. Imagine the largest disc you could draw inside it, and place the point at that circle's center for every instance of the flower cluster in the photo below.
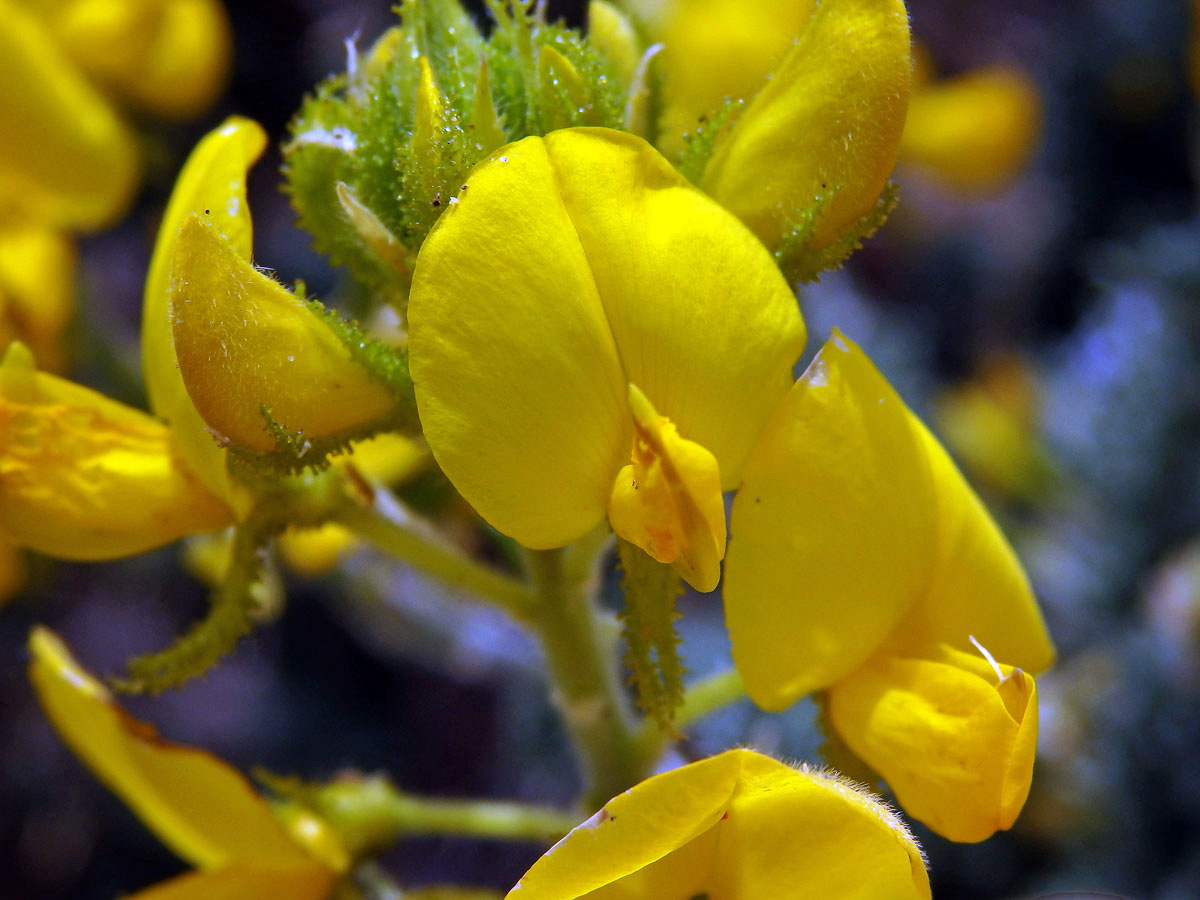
(590, 246)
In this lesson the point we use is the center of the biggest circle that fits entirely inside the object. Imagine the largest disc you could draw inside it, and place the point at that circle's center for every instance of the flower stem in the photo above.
(388, 524)
(371, 813)
(579, 643)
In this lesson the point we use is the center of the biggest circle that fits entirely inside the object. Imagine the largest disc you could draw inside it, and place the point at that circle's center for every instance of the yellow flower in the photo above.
(862, 563)
(737, 825)
(578, 265)
(826, 87)
(974, 131)
(85, 477)
(201, 808)
(68, 159)
(222, 342)
(573, 267)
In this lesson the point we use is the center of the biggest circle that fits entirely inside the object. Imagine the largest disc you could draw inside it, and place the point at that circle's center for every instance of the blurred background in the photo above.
(1039, 305)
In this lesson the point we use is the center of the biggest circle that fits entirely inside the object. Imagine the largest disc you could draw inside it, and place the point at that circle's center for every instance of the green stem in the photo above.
(389, 525)
(370, 813)
(578, 641)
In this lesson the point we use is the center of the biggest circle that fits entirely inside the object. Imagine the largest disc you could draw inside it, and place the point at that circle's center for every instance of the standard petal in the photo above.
(827, 124)
(245, 344)
(832, 530)
(66, 159)
(247, 881)
(954, 742)
(212, 184)
(85, 477)
(703, 320)
(518, 382)
(199, 806)
(975, 131)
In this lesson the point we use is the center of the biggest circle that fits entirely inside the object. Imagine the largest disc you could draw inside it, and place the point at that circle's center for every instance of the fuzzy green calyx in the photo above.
(379, 152)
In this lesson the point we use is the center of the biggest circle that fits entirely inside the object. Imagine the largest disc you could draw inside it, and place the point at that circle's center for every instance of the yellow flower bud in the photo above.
(734, 825)
(611, 32)
(827, 124)
(85, 477)
(954, 736)
(245, 344)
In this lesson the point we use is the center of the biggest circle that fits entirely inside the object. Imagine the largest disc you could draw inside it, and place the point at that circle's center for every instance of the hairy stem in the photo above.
(579, 642)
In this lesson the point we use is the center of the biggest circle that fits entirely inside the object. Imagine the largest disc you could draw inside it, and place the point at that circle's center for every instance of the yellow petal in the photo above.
(244, 342)
(611, 32)
(953, 741)
(572, 266)
(975, 131)
(37, 290)
(831, 530)
(829, 120)
(213, 184)
(735, 825)
(66, 159)
(668, 502)
(199, 806)
(294, 881)
(718, 49)
(84, 477)
(853, 527)
(387, 458)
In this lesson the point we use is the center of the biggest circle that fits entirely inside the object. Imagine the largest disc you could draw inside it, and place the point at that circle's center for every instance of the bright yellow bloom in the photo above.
(738, 826)
(85, 477)
(12, 568)
(862, 563)
(975, 131)
(201, 808)
(826, 87)
(37, 290)
(573, 267)
(579, 263)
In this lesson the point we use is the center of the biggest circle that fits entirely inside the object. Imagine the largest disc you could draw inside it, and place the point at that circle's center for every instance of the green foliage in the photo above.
(649, 630)
(800, 262)
(402, 160)
(232, 611)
